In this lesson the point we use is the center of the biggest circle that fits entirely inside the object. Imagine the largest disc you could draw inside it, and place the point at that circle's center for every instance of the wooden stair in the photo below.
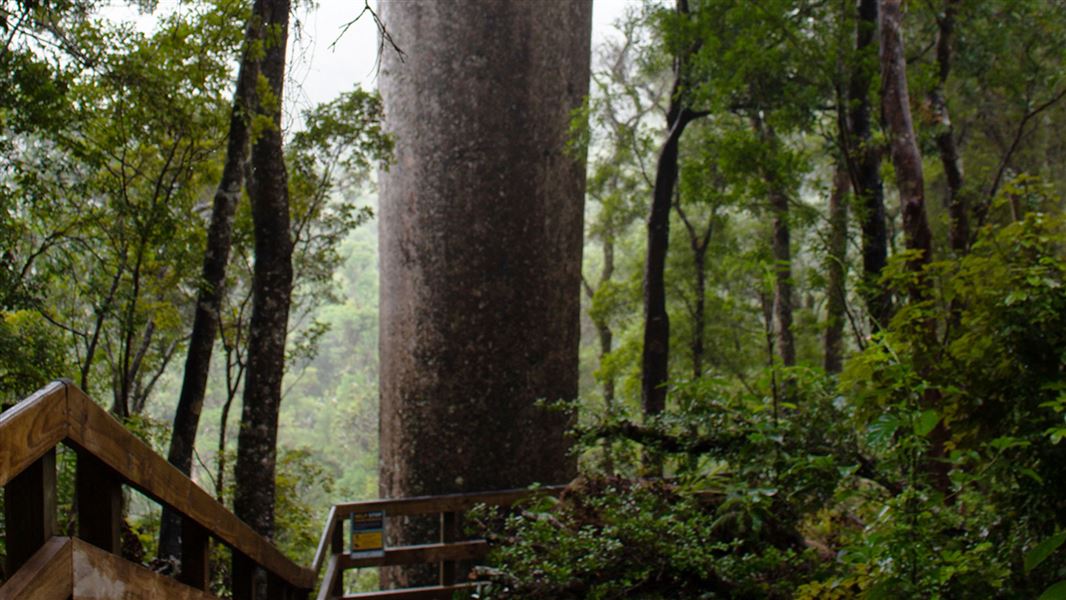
(43, 565)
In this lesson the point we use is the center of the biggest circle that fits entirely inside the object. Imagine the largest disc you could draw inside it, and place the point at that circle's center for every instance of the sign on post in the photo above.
(368, 534)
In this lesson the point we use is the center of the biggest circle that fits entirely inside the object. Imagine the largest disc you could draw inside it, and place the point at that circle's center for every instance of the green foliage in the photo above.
(30, 355)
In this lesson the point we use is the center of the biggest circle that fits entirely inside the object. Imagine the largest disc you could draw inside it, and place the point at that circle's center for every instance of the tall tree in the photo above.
(864, 159)
(836, 286)
(271, 283)
(655, 357)
(212, 284)
(906, 157)
(481, 241)
(958, 226)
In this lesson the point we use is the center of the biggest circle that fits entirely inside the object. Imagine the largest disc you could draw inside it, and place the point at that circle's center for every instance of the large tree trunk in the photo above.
(481, 242)
(865, 160)
(836, 292)
(271, 291)
(959, 227)
(212, 288)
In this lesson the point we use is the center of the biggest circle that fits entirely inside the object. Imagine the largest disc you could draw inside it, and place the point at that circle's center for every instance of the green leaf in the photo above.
(1055, 592)
(1037, 555)
(926, 422)
(879, 433)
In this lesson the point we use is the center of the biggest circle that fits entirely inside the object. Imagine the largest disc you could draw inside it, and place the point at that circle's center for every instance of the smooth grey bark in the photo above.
(271, 290)
(212, 288)
(481, 226)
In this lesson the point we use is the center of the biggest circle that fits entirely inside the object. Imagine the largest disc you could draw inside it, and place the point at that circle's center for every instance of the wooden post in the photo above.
(242, 577)
(195, 550)
(30, 510)
(277, 588)
(337, 545)
(98, 496)
(448, 534)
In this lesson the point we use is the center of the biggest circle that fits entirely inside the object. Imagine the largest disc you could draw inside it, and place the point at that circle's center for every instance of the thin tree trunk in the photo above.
(865, 156)
(836, 293)
(212, 288)
(959, 228)
(906, 157)
(781, 249)
(907, 160)
(698, 243)
(655, 358)
(271, 291)
(603, 328)
(782, 253)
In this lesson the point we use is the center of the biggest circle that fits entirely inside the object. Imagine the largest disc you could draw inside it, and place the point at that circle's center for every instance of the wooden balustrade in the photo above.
(108, 457)
(333, 555)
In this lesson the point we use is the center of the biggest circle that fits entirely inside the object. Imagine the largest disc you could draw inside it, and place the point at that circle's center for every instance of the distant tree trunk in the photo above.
(655, 358)
(906, 157)
(481, 240)
(603, 328)
(698, 243)
(959, 228)
(271, 290)
(781, 250)
(865, 158)
(836, 292)
(212, 288)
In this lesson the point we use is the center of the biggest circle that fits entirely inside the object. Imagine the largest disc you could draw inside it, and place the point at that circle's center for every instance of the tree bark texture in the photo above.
(865, 158)
(481, 240)
(906, 157)
(271, 291)
(836, 292)
(212, 287)
(959, 226)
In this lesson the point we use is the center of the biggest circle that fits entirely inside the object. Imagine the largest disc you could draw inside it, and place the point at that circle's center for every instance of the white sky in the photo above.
(317, 72)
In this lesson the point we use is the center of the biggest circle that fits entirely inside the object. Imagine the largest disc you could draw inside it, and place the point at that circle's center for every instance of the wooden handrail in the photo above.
(331, 548)
(61, 412)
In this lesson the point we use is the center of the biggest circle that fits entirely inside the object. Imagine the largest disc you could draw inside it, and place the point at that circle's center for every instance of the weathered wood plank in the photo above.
(334, 574)
(449, 533)
(100, 575)
(47, 575)
(426, 553)
(98, 493)
(195, 552)
(30, 510)
(31, 428)
(445, 592)
(326, 542)
(447, 503)
(95, 431)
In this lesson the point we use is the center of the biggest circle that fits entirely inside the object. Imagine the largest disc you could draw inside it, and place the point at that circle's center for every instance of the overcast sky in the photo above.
(319, 70)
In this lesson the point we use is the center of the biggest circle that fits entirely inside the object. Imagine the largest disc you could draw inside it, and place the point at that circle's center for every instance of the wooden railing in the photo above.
(335, 554)
(40, 564)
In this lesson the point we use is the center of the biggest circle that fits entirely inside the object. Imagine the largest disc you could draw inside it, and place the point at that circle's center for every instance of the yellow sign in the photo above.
(368, 534)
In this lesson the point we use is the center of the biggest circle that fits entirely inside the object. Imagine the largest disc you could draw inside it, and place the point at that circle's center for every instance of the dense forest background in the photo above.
(864, 284)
